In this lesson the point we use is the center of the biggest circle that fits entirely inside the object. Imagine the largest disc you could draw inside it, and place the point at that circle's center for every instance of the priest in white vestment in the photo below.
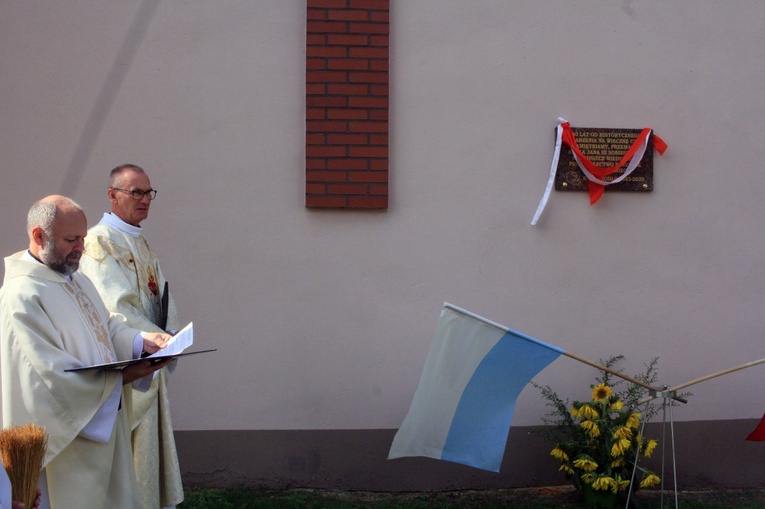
(53, 319)
(127, 274)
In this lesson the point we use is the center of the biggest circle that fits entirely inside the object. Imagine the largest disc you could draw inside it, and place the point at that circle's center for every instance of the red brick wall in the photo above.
(347, 104)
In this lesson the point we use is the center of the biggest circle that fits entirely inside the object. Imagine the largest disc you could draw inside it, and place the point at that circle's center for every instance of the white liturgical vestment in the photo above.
(127, 274)
(49, 323)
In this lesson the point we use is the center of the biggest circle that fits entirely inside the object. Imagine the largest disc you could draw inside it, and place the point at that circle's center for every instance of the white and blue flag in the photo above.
(463, 406)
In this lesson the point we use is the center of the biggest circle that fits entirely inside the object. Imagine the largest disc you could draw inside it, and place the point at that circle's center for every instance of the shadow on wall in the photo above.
(105, 98)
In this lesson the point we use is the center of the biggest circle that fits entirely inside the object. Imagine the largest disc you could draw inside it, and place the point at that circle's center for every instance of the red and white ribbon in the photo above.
(593, 172)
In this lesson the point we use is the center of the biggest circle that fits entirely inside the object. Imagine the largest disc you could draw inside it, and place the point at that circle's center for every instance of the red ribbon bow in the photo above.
(596, 189)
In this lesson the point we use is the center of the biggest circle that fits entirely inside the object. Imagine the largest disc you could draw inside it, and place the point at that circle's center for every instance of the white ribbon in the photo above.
(630, 167)
(553, 170)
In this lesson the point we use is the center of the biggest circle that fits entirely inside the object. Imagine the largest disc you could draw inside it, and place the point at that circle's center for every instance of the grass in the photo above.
(532, 498)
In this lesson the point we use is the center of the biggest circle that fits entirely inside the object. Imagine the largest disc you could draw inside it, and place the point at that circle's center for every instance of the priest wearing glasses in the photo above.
(126, 272)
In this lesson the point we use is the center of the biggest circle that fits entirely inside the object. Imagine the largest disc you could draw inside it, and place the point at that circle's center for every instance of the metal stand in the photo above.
(666, 395)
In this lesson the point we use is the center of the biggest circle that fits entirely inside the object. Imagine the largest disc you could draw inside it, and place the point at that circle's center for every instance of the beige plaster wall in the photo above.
(322, 319)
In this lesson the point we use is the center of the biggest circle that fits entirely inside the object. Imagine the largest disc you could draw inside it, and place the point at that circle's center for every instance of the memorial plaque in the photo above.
(605, 147)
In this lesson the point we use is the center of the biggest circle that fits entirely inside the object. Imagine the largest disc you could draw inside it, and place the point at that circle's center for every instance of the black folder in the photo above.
(124, 364)
(163, 311)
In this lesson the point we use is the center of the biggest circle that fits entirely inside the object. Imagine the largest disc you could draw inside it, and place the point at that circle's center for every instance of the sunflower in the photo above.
(588, 477)
(623, 432)
(587, 412)
(601, 392)
(559, 454)
(603, 483)
(619, 462)
(649, 447)
(585, 463)
(598, 445)
(620, 446)
(592, 428)
(620, 484)
(650, 480)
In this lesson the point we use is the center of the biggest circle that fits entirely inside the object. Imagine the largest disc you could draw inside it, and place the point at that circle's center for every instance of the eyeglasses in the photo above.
(138, 194)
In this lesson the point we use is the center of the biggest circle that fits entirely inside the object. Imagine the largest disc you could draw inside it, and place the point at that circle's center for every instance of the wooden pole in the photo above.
(626, 377)
(612, 371)
(719, 373)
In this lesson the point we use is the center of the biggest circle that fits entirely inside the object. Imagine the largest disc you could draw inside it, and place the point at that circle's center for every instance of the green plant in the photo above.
(598, 441)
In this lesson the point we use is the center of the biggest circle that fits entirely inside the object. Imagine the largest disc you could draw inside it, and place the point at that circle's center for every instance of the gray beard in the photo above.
(62, 266)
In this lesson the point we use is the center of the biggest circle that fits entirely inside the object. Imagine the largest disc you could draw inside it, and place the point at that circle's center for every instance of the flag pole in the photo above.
(622, 375)
(612, 371)
(563, 352)
(719, 373)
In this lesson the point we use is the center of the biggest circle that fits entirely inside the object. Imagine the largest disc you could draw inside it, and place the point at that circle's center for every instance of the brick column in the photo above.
(347, 104)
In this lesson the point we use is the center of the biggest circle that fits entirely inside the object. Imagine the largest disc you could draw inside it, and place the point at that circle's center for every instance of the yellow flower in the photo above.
(587, 412)
(592, 428)
(650, 480)
(596, 443)
(649, 447)
(620, 447)
(633, 421)
(623, 432)
(559, 453)
(620, 484)
(601, 392)
(603, 483)
(585, 463)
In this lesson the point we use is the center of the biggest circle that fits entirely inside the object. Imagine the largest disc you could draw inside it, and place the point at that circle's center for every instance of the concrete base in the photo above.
(709, 454)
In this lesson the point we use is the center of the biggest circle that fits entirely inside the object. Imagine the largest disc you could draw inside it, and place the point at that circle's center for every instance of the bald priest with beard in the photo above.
(53, 319)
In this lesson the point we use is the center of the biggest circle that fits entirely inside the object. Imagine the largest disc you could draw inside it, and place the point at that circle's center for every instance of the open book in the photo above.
(183, 339)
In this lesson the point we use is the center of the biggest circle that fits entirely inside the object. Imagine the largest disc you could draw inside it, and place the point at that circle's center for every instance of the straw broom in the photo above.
(23, 452)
